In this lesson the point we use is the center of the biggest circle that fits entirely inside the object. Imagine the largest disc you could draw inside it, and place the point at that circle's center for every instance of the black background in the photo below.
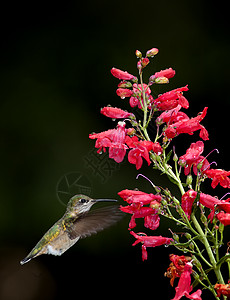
(54, 78)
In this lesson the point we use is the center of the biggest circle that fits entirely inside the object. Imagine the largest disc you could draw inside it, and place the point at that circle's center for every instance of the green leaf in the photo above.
(168, 156)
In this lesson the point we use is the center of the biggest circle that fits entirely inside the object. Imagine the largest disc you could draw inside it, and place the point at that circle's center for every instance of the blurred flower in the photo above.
(222, 289)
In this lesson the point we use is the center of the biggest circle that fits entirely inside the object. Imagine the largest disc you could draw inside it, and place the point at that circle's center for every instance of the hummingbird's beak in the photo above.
(105, 200)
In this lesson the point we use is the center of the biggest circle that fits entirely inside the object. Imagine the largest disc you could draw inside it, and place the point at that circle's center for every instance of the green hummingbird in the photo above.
(77, 222)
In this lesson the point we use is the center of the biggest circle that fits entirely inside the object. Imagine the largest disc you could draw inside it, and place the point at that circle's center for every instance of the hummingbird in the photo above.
(79, 221)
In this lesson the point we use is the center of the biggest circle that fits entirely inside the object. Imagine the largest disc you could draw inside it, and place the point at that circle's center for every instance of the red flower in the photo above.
(137, 98)
(219, 176)
(115, 113)
(193, 157)
(171, 116)
(188, 126)
(114, 139)
(139, 149)
(168, 73)
(123, 93)
(171, 99)
(184, 285)
(208, 201)
(176, 266)
(187, 202)
(124, 75)
(222, 289)
(139, 197)
(151, 218)
(149, 241)
(224, 218)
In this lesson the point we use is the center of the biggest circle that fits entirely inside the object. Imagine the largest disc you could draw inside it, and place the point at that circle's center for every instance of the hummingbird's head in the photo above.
(83, 203)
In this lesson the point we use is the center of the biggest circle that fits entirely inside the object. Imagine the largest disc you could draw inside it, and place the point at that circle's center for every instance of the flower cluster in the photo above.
(202, 216)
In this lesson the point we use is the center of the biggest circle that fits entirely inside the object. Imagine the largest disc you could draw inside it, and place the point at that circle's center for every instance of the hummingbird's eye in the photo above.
(83, 200)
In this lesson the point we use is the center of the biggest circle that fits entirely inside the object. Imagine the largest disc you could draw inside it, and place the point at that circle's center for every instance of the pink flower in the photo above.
(123, 93)
(124, 75)
(149, 241)
(184, 285)
(114, 139)
(171, 99)
(188, 126)
(139, 197)
(218, 176)
(115, 113)
(193, 157)
(152, 52)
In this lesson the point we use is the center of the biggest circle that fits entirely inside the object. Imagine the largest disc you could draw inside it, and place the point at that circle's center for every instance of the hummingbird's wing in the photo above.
(94, 221)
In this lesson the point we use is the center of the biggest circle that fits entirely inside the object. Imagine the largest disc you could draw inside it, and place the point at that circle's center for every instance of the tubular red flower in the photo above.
(218, 176)
(114, 139)
(124, 75)
(171, 99)
(115, 113)
(208, 201)
(150, 241)
(168, 73)
(133, 196)
(193, 157)
(123, 93)
(140, 149)
(151, 218)
(224, 218)
(184, 285)
(188, 126)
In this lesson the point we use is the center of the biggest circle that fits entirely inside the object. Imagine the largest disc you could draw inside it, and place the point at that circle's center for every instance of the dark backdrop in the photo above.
(54, 78)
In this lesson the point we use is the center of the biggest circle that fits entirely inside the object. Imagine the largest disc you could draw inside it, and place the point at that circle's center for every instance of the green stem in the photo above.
(208, 249)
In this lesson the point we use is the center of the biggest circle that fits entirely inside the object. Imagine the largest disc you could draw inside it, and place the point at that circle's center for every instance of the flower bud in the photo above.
(138, 54)
(161, 80)
(152, 52)
(145, 62)
(125, 84)
(189, 179)
(175, 157)
(131, 131)
(154, 204)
